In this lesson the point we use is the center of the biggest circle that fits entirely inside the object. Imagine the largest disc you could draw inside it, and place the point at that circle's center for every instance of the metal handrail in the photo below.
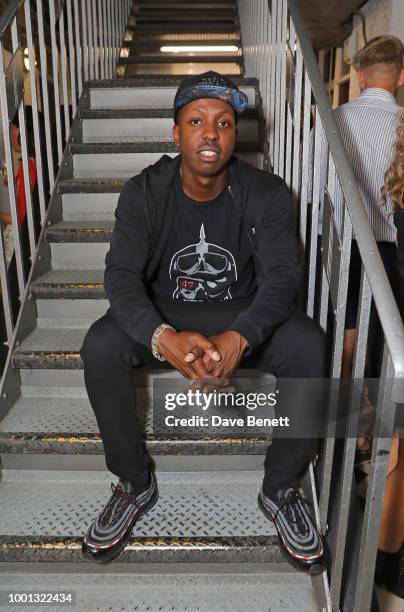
(386, 305)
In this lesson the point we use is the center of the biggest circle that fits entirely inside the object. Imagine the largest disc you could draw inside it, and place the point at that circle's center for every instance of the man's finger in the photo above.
(199, 367)
(194, 354)
(207, 346)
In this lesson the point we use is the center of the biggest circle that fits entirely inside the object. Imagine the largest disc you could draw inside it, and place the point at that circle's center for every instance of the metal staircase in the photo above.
(205, 546)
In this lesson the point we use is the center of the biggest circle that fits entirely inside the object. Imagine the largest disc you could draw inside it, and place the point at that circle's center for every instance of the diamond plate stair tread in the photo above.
(150, 146)
(53, 340)
(81, 231)
(169, 592)
(150, 42)
(70, 284)
(91, 185)
(43, 414)
(67, 425)
(162, 81)
(70, 276)
(134, 113)
(198, 505)
(183, 59)
(188, 28)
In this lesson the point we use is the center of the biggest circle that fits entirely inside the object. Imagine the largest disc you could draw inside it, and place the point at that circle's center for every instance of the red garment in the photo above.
(21, 201)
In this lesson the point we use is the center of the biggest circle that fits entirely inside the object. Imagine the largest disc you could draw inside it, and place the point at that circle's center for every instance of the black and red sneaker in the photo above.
(109, 533)
(299, 539)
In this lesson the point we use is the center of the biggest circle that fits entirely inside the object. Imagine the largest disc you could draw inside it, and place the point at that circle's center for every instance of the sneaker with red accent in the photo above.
(299, 539)
(110, 532)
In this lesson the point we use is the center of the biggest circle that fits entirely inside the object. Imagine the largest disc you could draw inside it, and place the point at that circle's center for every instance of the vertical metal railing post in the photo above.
(90, 31)
(101, 31)
(5, 294)
(73, 53)
(35, 110)
(45, 94)
(385, 417)
(79, 48)
(55, 74)
(64, 71)
(95, 40)
(86, 50)
(109, 40)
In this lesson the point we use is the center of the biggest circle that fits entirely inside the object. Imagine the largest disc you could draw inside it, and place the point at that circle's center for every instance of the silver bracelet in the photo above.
(155, 338)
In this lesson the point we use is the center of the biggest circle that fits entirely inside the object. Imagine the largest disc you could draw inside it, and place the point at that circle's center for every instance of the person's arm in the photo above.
(278, 272)
(125, 263)
(5, 217)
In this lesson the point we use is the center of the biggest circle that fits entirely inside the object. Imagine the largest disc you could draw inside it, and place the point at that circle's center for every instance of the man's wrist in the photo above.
(244, 342)
(155, 340)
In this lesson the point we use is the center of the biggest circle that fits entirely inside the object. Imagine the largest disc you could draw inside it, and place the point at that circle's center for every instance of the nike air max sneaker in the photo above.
(109, 533)
(299, 540)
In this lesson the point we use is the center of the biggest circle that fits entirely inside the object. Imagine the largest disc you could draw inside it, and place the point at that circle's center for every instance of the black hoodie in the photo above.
(140, 233)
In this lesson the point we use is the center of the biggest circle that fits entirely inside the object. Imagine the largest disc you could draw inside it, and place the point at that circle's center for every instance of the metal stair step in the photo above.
(67, 425)
(158, 4)
(125, 71)
(50, 348)
(200, 516)
(80, 231)
(140, 125)
(90, 186)
(123, 160)
(177, 58)
(179, 37)
(150, 92)
(218, 588)
(150, 5)
(78, 285)
(179, 16)
(153, 28)
(140, 44)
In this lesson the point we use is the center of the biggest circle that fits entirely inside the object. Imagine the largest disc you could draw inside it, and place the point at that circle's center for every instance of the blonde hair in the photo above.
(394, 176)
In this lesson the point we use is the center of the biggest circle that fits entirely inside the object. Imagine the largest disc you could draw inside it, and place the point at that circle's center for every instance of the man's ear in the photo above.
(401, 78)
(361, 79)
(176, 135)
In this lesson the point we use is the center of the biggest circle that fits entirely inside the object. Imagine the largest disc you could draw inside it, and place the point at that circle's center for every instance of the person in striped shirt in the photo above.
(368, 129)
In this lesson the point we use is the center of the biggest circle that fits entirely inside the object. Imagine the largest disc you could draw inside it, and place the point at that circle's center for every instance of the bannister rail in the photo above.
(60, 44)
(305, 148)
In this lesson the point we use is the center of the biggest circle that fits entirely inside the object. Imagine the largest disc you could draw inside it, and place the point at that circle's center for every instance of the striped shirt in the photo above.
(368, 127)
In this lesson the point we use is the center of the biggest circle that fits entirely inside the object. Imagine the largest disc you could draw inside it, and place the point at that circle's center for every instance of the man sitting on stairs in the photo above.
(202, 273)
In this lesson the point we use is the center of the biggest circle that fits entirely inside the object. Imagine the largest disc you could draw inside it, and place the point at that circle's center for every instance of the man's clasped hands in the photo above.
(198, 357)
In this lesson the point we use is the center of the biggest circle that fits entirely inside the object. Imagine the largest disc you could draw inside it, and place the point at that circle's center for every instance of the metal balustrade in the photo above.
(305, 148)
(66, 43)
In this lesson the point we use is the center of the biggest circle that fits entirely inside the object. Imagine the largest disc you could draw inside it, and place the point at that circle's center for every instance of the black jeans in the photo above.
(295, 350)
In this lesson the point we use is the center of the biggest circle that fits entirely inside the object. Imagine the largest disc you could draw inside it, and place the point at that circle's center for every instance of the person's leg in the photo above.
(296, 350)
(109, 356)
(296, 355)
(391, 535)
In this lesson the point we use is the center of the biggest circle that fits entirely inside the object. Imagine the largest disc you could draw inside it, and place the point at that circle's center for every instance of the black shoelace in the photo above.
(292, 511)
(117, 503)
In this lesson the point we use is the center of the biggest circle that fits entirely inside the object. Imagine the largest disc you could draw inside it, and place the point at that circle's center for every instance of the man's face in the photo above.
(205, 135)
